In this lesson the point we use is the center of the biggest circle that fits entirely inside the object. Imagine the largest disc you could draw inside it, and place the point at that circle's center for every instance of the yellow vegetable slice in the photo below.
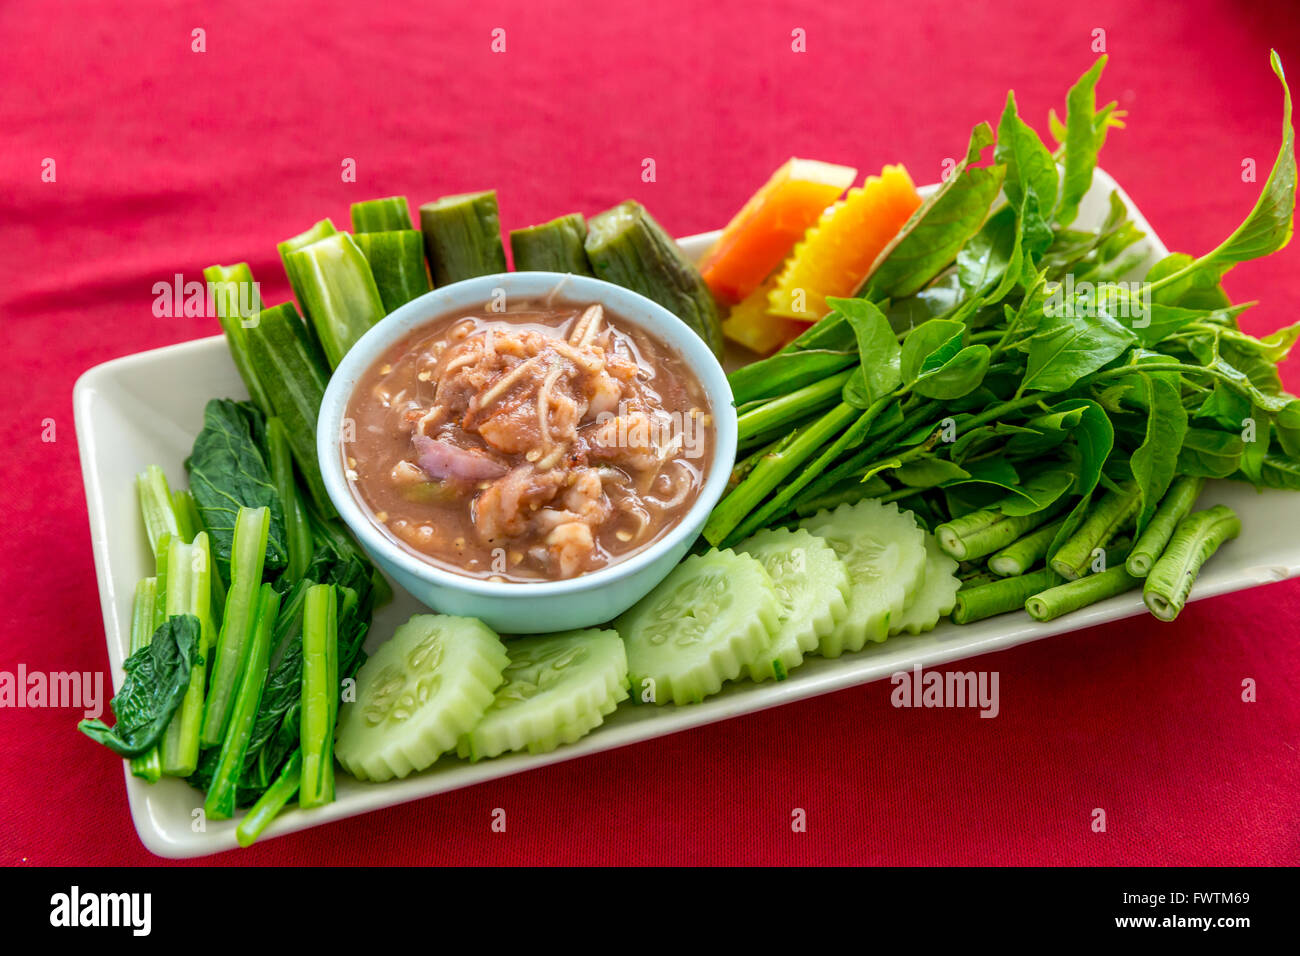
(838, 253)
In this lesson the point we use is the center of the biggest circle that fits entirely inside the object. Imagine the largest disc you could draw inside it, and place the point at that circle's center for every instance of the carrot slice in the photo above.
(761, 235)
(839, 251)
(757, 329)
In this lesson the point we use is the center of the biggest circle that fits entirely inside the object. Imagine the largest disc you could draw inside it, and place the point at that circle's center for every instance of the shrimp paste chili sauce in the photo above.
(538, 443)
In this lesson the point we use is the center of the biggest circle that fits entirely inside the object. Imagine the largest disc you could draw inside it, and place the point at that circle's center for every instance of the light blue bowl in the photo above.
(528, 607)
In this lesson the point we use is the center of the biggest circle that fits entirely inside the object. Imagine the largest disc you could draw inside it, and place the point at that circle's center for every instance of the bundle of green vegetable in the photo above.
(997, 377)
(261, 599)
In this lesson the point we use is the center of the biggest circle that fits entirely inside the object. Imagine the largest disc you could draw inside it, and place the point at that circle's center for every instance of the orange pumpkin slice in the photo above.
(838, 252)
(762, 234)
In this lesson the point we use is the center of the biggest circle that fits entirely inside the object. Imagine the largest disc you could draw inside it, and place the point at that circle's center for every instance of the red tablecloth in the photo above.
(169, 159)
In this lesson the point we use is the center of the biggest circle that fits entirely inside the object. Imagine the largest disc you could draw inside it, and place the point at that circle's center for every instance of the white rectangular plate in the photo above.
(146, 409)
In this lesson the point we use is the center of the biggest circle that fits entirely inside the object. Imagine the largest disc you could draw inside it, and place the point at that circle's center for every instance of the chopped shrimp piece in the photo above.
(504, 507)
(625, 439)
(571, 545)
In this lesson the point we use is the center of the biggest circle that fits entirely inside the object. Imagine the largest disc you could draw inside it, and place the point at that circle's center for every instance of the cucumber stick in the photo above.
(318, 231)
(397, 262)
(293, 370)
(884, 552)
(462, 237)
(424, 688)
(627, 247)
(555, 246)
(706, 623)
(557, 688)
(935, 598)
(381, 215)
(813, 586)
(238, 303)
(337, 291)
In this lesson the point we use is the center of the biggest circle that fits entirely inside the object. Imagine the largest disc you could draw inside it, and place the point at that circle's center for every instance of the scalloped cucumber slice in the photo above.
(883, 550)
(428, 684)
(557, 688)
(937, 596)
(706, 622)
(813, 587)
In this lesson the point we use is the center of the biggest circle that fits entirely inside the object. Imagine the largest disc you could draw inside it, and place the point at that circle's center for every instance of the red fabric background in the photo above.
(168, 160)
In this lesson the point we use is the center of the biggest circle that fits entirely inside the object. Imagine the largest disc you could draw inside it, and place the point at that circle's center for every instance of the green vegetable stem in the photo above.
(260, 814)
(148, 766)
(222, 791)
(237, 626)
(320, 695)
(189, 591)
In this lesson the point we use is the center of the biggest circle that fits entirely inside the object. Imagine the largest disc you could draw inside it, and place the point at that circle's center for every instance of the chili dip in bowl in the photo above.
(534, 449)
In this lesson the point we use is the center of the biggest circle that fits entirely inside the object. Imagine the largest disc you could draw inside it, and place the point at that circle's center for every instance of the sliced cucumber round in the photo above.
(813, 587)
(704, 624)
(557, 688)
(883, 550)
(428, 684)
(937, 596)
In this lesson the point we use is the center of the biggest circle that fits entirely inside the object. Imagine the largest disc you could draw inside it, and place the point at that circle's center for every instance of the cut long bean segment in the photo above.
(238, 302)
(1197, 537)
(1025, 553)
(1108, 518)
(979, 579)
(381, 215)
(1001, 596)
(772, 469)
(1176, 504)
(555, 246)
(462, 238)
(1081, 592)
(320, 695)
(270, 803)
(248, 550)
(397, 262)
(294, 371)
(149, 765)
(296, 525)
(189, 591)
(790, 408)
(338, 292)
(981, 533)
(222, 791)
